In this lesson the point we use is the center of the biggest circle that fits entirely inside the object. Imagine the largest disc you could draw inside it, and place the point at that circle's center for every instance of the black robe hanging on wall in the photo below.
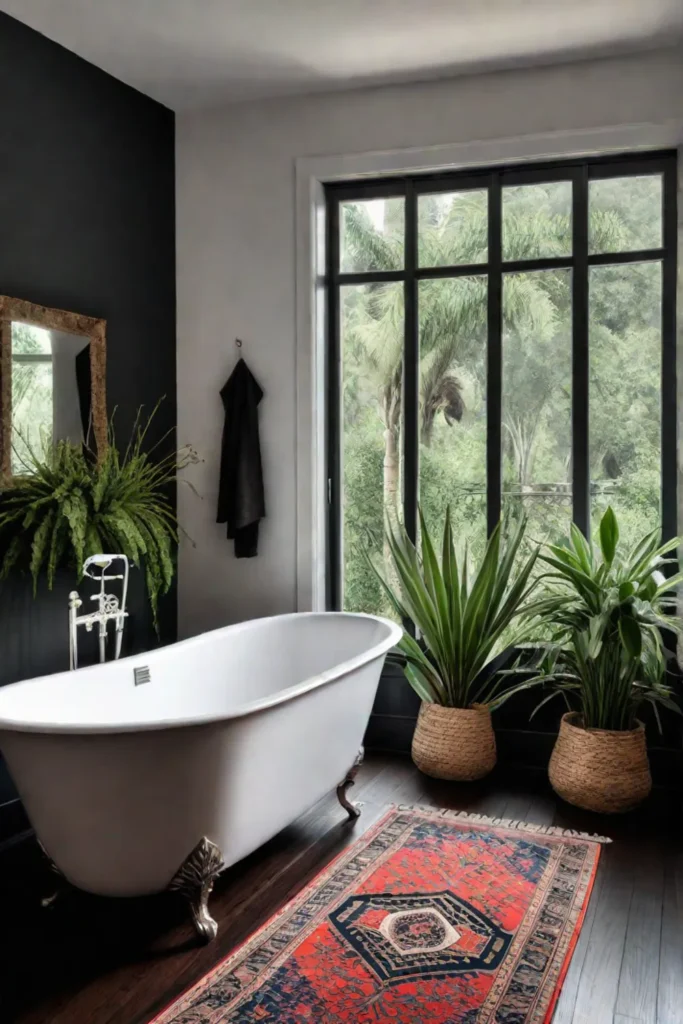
(240, 494)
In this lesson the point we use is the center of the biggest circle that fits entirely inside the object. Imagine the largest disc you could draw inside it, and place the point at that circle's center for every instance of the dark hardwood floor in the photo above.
(96, 961)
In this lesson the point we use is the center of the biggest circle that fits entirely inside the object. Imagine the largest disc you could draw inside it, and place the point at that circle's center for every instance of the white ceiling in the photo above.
(190, 53)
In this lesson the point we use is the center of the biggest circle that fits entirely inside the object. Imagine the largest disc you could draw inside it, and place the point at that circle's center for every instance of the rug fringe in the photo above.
(510, 823)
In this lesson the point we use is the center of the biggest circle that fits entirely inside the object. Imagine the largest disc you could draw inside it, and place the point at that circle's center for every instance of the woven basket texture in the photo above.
(457, 744)
(600, 770)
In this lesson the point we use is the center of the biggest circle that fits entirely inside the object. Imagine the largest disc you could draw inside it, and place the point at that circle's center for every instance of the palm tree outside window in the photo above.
(499, 341)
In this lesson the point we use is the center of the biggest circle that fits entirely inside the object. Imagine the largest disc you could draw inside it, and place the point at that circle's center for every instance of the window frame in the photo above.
(580, 172)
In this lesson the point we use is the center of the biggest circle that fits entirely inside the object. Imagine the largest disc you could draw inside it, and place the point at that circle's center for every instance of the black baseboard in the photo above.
(517, 748)
(522, 742)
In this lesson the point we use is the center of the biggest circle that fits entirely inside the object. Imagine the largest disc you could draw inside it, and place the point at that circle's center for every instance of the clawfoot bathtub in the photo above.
(159, 770)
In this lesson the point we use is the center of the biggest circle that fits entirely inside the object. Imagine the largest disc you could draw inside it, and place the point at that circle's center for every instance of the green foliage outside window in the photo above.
(625, 367)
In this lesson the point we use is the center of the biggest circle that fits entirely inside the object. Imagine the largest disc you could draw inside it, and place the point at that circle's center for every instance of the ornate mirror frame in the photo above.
(19, 310)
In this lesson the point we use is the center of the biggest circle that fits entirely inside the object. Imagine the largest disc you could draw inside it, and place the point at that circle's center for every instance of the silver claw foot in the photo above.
(194, 880)
(353, 810)
(49, 901)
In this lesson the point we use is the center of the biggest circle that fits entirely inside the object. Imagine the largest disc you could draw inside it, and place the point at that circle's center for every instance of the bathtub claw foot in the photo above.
(205, 926)
(47, 902)
(194, 880)
(353, 810)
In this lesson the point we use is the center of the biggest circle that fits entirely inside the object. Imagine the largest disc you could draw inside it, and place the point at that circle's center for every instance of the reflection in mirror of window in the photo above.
(50, 391)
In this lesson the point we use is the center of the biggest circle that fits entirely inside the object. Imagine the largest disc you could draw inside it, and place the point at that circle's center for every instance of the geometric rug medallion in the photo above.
(430, 916)
(420, 935)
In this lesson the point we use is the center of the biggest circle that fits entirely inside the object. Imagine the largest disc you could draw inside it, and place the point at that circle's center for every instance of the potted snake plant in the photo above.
(606, 659)
(465, 618)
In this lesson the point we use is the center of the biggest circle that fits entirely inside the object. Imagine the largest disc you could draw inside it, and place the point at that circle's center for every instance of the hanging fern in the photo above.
(68, 506)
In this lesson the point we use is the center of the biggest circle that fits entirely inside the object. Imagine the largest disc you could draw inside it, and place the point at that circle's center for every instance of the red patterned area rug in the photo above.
(431, 917)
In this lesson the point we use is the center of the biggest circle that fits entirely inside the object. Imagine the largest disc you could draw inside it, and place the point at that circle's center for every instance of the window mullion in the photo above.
(411, 370)
(494, 370)
(669, 386)
(580, 353)
(335, 570)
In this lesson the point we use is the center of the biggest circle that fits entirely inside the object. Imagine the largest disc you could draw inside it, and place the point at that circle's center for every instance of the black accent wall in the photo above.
(87, 223)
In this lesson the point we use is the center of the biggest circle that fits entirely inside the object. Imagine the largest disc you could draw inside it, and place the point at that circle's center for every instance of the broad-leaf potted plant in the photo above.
(607, 658)
(464, 619)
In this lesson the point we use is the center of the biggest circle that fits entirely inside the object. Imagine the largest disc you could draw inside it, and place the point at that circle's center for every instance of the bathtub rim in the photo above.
(380, 649)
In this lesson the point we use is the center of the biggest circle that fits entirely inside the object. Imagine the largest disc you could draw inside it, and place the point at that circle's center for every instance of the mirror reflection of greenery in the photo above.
(31, 394)
(625, 337)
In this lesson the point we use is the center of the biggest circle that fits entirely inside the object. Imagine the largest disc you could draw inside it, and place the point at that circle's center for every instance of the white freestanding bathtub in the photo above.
(158, 770)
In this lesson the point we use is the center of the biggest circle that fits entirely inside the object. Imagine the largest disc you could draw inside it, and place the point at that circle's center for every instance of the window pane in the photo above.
(625, 213)
(371, 235)
(625, 402)
(452, 228)
(537, 220)
(537, 379)
(371, 377)
(453, 319)
(31, 411)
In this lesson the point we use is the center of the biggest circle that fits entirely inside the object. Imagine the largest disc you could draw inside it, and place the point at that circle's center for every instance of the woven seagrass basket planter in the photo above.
(456, 744)
(600, 770)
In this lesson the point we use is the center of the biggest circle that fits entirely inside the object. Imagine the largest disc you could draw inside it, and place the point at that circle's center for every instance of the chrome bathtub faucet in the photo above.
(108, 607)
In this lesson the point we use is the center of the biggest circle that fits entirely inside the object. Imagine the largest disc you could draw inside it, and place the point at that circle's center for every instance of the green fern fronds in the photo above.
(68, 506)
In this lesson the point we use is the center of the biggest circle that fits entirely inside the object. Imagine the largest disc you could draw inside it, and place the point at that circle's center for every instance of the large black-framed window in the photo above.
(570, 233)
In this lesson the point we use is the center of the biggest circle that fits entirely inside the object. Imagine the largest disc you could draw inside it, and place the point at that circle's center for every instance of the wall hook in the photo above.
(238, 342)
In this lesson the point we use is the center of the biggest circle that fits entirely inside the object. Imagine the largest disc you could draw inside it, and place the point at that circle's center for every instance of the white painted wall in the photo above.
(236, 267)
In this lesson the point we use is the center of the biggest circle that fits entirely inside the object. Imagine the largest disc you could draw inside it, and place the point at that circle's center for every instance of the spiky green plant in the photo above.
(608, 608)
(464, 619)
(68, 506)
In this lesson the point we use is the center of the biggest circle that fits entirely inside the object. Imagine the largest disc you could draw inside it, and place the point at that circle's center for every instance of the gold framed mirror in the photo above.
(53, 367)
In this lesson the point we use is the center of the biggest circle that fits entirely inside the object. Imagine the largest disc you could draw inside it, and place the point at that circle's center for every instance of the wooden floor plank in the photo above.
(638, 981)
(517, 806)
(564, 1012)
(385, 784)
(599, 981)
(670, 988)
(542, 809)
